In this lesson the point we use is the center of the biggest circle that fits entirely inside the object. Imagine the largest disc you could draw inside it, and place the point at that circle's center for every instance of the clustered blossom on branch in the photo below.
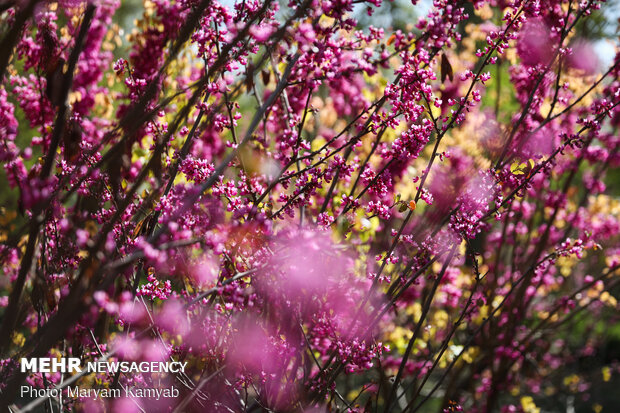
(313, 215)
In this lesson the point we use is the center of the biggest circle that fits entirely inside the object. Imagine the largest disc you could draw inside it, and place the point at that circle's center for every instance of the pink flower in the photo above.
(173, 317)
(261, 33)
(128, 405)
(535, 46)
(583, 57)
(126, 347)
(205, 272)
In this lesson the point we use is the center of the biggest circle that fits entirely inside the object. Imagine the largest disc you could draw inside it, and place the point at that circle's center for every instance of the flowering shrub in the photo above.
(311, 215)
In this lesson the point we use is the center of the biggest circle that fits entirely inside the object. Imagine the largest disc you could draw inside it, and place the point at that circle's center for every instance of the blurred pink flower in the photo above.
(205, 272)
(95, 406)
(173, 318)
(584, 57)
(450, 180)
(261, 351)
(152, 350)
(534, 46)
(126, 405)
(126, 347)
(132, 312)
(538, 144)
(306, 265)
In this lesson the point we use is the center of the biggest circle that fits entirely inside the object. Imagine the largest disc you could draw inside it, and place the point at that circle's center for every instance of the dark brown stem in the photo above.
(10, 315)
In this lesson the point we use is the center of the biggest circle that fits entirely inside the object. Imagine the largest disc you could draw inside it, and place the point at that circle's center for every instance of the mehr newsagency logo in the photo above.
(74, 365)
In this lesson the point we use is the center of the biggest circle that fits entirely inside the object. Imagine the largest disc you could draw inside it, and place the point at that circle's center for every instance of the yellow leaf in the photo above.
(606, 374)
(517, 168)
